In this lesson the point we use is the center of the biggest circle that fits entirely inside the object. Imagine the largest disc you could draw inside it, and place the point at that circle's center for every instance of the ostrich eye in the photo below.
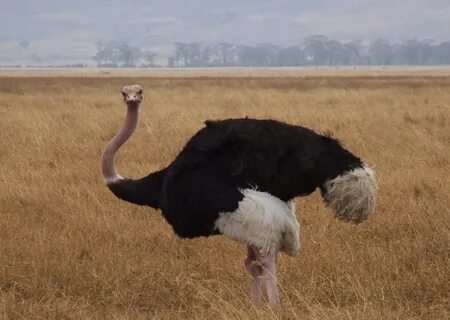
(140, 92)
(124, 94)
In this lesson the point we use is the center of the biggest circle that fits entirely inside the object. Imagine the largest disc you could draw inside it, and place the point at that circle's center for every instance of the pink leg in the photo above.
(253, 265)
(269, 263)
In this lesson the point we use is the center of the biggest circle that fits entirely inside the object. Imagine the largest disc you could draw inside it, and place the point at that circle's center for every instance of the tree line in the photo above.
(115, 54)
(315, 50)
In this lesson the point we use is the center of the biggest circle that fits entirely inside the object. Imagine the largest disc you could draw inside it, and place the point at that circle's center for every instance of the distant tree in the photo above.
(317, 50)
(335, 52)
(291, 57)
(226, 54)
(178, 54)
(246, 56)
(190, 54)
(206, 56)
(441, 53)
(414, 52)
(149, 58)
(264, 54)
(117, 53)
(129, 55)
(195, 55)
(356, 53)
(381, 52)
(349, 53)
(107, 54)
(171, 62)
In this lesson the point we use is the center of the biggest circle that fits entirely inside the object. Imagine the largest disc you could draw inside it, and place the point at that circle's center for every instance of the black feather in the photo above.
(204, 179)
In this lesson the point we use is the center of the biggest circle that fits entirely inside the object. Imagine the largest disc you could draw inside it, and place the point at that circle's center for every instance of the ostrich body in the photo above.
(237, 177)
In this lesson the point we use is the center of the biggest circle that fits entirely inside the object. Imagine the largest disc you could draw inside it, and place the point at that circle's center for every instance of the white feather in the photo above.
(114, 179)
(352, 195)
(262, 221)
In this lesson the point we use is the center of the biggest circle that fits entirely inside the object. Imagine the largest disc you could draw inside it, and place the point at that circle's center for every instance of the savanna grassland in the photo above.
(70, 250)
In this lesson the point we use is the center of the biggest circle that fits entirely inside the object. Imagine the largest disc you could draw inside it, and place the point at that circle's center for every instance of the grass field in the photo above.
(70, 250)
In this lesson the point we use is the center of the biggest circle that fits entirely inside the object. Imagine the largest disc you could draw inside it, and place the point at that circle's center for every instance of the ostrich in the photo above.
(238, 177)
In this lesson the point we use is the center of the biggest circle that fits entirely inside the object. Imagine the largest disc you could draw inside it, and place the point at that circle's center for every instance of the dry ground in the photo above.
(372, 71)
(70, 250)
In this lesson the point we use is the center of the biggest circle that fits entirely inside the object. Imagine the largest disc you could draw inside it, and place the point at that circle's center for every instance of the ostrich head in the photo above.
(132, 95)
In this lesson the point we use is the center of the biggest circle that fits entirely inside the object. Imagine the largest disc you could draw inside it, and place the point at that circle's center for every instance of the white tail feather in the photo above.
(352, 195)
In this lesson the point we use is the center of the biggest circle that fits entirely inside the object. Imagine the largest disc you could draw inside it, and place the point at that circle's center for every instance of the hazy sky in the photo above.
(66, 30)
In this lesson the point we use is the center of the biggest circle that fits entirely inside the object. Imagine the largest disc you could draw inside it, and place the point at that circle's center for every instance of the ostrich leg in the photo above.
(254, 266)
(262, 267)
(269, 268)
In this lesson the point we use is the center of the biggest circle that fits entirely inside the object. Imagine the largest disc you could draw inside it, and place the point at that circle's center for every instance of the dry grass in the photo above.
(372, 71)
(70, 250)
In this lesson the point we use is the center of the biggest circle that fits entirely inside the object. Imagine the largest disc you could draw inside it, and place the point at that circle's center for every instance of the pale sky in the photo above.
(67, 30)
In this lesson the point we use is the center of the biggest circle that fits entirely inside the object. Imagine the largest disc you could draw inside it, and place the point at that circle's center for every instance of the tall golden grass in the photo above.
(70, 250)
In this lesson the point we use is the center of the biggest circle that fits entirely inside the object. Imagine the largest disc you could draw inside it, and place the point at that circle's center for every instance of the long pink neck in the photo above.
(125, 132)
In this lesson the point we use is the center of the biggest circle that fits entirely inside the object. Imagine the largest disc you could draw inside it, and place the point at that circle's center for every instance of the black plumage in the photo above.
(204, 179)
